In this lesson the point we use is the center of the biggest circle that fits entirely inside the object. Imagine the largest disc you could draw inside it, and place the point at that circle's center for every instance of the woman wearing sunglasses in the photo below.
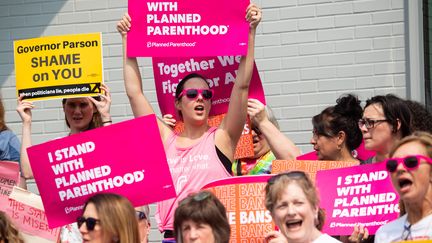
(205, 152)
(108, 218)
(293, 202)
(201, 217)
(386, 120)
(410, 166)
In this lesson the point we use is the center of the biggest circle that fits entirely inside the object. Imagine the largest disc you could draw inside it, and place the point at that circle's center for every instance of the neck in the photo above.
(418, 211)
(345, 155)
(193, 131)
(380, 157)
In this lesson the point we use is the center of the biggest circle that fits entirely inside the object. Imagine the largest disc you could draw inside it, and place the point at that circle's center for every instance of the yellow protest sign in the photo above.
(58, 66)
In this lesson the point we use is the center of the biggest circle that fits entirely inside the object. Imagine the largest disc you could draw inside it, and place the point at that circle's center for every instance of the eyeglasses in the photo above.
(90, 222)
(140, 215)
(409, 162)
(291, 174)
(369, 122)
(257, 131)
(193, 93)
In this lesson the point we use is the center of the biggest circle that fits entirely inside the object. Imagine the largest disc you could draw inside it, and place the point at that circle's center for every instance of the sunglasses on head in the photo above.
(291, 175)
(410, 162)
(140, 215)
(193, 93)
(90, 222)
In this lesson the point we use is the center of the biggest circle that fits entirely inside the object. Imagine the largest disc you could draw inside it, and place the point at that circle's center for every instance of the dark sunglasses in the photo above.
(291, 175)
(193, 93)
(410, 162)
(140, 215)
(90, 222)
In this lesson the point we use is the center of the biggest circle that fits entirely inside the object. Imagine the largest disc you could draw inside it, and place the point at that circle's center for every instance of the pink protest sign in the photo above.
(9, 177)
(243, 198)
(219, 71)
(127, 158)
(361, 194)
(187, 28)
(26, 211)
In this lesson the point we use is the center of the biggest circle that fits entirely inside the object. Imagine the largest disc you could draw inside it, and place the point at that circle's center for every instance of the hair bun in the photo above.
(349, 106)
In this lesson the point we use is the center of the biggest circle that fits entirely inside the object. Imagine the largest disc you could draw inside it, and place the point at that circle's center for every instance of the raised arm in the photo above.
(133, 83)
(281, 146)
(24, 111)
(230, 130)
(103, 105)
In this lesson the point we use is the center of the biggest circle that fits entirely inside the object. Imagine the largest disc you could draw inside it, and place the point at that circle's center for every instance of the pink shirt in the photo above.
(191, 168)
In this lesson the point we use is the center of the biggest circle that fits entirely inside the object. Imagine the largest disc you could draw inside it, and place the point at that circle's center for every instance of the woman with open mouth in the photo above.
(199, 154)
(293, 202)
(410, 166)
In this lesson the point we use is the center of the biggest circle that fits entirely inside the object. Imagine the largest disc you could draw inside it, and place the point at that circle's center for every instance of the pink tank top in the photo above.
(191, 168)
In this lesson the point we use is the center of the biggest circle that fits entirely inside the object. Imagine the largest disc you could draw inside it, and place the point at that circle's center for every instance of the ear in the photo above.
(177, 104)
(341, 137)
(398, 126)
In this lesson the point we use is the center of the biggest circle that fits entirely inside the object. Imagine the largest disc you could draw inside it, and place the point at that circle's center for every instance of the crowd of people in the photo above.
(396, 130)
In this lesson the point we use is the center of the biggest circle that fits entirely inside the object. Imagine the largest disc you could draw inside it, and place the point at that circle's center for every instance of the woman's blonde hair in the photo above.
(117, 218)
(423, 138)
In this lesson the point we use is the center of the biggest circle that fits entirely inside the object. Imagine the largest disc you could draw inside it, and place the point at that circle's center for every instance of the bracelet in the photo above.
(109, 121)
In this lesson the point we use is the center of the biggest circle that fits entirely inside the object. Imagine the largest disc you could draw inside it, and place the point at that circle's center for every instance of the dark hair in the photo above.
(276, 187)
(421, 118)
(341, 117)
(203, 207)
(117, 217)
(394, 109)
(96, 119)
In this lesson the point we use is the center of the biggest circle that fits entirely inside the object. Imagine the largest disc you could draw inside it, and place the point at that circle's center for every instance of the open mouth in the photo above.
(404, 183)
(293, 224)
(199, 108)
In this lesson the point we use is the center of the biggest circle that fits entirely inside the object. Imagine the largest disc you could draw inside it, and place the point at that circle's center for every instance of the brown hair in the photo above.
(8, 232)
(96, 119)
(203, 207)
(277, 184)
(2, 117)
(117, 218)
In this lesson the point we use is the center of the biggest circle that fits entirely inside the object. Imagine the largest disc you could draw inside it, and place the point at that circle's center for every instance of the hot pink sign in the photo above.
(127, 158)
(220, 72)
(9, 177)
(187, 28)
(357, 195)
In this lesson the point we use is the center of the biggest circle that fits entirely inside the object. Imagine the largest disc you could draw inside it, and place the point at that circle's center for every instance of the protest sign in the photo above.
(220, 73)
(58, 66)
(123, 158)
(243, 198)
(27, 213)
(187, 28)
(357, 195)
(310, 167)
(9, 177)
(244, 147)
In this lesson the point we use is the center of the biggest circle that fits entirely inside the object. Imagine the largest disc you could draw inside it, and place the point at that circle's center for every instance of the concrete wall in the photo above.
(308, 52)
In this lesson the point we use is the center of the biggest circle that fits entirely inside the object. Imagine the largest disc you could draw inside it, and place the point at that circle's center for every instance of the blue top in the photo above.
(9, 146)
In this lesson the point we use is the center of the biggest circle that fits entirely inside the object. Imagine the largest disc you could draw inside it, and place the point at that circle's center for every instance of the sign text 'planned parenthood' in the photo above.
(187, 28)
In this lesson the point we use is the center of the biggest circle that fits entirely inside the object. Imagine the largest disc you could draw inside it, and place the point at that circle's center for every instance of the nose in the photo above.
(291, 211)
(363, 128)
(83, 229)
(313, 140)
(194, 233)
(400, 167)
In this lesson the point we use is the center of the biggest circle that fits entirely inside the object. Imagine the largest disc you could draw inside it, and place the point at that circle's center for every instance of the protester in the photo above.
(386, 119)
(8, 232)
(410, 166)
(143, 214)
(421, 117)
(108, 218)
(81, 114)
(268, 141)
(335, 131)
(201, 217)
(293, 202)
(198, 140)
